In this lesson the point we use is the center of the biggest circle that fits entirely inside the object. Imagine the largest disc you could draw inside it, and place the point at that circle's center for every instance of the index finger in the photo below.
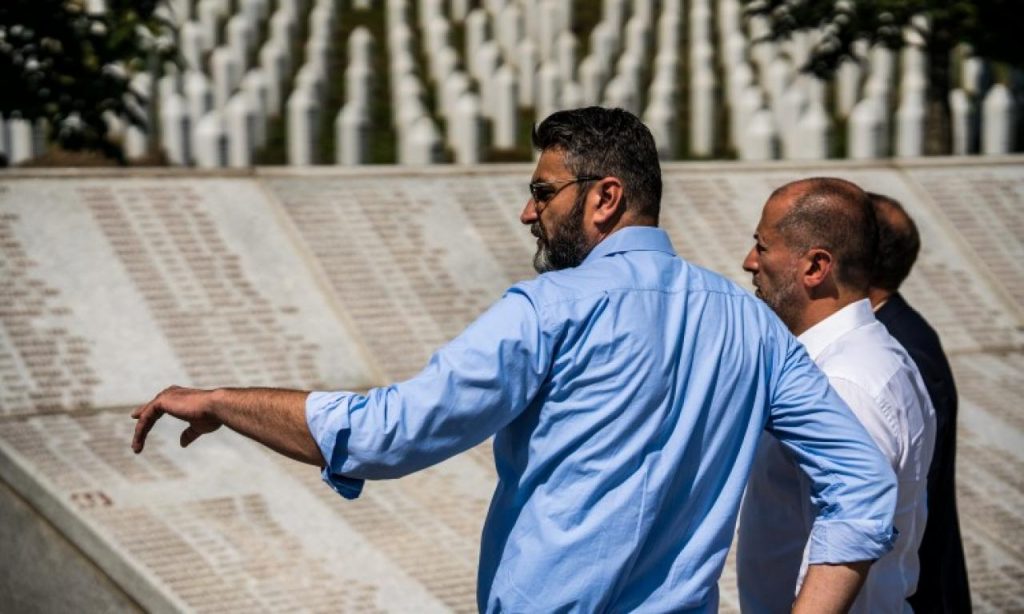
(147, 416)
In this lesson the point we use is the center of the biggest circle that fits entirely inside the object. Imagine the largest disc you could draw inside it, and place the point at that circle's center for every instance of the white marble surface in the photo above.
(117, 289)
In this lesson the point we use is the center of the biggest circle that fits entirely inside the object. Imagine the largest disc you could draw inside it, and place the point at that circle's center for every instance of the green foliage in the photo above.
(585, 15)
(995, 31)
(989, 26)
(69, 67)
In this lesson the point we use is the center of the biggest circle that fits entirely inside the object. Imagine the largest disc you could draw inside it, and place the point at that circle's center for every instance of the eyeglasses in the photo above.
(543, 191)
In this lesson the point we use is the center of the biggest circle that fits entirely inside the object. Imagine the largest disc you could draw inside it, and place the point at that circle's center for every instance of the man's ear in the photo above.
(816, 267)
(607, 208)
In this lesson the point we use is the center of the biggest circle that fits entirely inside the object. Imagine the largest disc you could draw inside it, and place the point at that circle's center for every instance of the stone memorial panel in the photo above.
(990, 477)
(259, 533)
(951, 290)
(412, 286)
(711, 217)
(982, 205)
(113, 289)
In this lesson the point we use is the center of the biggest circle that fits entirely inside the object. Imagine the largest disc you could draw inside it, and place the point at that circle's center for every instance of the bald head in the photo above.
(898, 243)
(834, 215)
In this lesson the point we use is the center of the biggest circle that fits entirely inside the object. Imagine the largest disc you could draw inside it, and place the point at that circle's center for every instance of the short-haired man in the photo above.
(626, 390)
(942, 585)
(811, 262)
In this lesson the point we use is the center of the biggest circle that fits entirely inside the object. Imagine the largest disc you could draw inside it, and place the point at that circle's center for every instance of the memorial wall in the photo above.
(113, 286)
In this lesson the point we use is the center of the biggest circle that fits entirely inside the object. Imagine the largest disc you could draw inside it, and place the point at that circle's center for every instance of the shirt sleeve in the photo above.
(853, 487)
(880, 423)
(471, 388)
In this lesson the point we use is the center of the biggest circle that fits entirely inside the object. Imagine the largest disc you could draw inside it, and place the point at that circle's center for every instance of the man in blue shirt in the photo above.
(626, 390)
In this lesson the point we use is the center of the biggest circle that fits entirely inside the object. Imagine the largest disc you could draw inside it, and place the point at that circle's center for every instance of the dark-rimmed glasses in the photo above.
(543, 191)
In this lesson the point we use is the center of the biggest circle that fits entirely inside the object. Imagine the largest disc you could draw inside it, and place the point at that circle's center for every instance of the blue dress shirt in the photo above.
(626, 396)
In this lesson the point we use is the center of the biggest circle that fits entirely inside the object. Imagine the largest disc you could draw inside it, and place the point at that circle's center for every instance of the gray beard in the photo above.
(782, 302)
(567, 247)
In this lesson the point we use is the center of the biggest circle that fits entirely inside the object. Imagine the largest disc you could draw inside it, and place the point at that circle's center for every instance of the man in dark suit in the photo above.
(942, 586)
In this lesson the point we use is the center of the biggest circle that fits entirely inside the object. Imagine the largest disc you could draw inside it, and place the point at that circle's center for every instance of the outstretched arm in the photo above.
(831, 588)
(470, 389)
(274, 417)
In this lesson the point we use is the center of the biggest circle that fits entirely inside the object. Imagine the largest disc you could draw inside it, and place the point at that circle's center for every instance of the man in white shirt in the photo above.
(811, 263)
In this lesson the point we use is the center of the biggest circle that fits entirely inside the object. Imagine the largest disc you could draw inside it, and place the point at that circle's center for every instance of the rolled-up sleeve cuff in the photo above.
(847, 541)
(328, 421)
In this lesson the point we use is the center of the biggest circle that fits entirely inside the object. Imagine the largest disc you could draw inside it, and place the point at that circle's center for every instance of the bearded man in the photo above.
(811, 263)
(625, 389)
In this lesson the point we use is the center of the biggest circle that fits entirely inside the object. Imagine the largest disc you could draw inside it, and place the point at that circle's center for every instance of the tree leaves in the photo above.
(70, 68)
(991, 27)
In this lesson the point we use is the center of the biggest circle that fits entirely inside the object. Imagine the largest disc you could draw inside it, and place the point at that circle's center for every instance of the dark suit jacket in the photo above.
(942, 586)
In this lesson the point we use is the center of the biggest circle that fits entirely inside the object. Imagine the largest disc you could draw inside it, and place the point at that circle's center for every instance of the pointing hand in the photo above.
(188, 404)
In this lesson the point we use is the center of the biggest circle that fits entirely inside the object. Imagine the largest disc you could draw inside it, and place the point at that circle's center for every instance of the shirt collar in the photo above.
(630, 239)
(818, 337)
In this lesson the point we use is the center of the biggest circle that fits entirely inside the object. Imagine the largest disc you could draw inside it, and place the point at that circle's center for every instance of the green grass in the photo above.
(275, 151)
(585, 15)
(683, 79)
(722, 148)
(419, 54)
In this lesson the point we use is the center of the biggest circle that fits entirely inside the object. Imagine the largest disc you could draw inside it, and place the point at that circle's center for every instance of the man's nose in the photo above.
(750, 262)
(529, 214)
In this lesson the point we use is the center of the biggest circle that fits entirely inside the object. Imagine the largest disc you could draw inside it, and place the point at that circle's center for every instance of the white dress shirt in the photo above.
(874, 375)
